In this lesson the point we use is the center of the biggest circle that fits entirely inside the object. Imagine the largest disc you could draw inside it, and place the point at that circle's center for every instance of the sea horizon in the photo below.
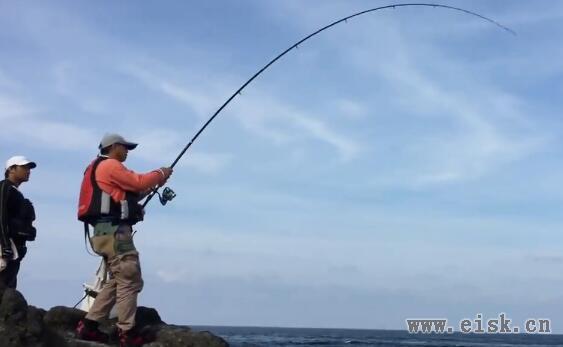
(239, 336)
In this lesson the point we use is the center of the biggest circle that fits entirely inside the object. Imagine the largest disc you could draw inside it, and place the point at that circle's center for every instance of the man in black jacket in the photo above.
(16, 219)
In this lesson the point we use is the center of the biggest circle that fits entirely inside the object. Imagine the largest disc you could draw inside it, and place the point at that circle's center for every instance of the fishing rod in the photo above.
(168, 194)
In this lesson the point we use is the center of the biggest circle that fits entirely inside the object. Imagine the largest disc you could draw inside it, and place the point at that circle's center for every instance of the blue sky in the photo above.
(405, 164)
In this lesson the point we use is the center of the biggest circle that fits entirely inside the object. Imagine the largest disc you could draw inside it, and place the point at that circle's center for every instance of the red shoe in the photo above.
(134, 338)
(88, 330)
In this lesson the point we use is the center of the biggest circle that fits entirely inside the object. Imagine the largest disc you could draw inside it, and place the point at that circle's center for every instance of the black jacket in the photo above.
(14, 217)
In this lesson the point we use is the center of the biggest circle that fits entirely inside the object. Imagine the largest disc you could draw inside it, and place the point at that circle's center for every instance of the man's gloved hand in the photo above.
(166, 173)
(3, 264)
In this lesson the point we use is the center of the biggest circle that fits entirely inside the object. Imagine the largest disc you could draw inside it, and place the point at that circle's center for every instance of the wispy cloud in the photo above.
(546, 258)
(26, 123)
(61, 76)
(172, 276)
(537, 15)
(267, 117)
(6, 82)
(347, 149)
(66, 76)
(201, 103)
(58, 135)
(159, 146)
(486, 127)
(162, 146)
(480, 145)
(474, 125)
(351, 108)
(262, 115)
(10, 108)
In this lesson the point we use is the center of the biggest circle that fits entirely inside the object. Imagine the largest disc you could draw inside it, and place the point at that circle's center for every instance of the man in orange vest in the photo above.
(109, 200)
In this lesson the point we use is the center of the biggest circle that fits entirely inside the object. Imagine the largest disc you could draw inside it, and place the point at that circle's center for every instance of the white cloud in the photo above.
(171, 276)
(270, 118)
(481, 144)
(61, 73)
(57, 135)
(473, 125)
(531, 16)
(67, 83)
(259, 116)
(262, 115)
(6, 82)
(350, 108)
(158, 145)
(200, 102)
(26, 123)
(347, 148)
(161, 146)
(10, 108)
(488, 126)
(206, 162)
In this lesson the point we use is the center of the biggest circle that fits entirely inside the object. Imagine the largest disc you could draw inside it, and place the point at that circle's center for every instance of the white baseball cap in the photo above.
(19, 160)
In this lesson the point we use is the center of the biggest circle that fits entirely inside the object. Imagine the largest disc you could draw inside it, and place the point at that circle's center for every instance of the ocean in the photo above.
(300, 337)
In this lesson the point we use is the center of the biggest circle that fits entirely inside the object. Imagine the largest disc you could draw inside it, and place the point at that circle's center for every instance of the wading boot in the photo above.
(134, 338)
(88, 330)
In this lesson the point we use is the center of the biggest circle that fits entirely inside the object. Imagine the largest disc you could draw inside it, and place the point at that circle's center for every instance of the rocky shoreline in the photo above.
(25, 325)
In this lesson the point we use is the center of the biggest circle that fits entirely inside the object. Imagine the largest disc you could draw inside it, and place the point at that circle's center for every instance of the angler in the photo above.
(109, 201)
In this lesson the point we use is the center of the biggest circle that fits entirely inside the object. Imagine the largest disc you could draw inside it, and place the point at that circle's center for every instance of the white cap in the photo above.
(20, 160)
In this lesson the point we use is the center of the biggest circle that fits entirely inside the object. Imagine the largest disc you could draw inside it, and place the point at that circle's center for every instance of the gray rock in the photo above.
(63, 318)
(182, 336)
(147, 316)
(13, 309)
(28, 326)
(20, 324)
(35, 325)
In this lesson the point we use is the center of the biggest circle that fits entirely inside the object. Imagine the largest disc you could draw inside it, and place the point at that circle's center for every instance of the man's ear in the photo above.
(7, 172)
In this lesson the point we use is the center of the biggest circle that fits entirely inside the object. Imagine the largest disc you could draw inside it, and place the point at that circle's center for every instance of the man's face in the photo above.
(20, 173)
(121, 152)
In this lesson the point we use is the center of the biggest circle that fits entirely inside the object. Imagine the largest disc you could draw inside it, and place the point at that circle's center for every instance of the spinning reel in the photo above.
(167, 195)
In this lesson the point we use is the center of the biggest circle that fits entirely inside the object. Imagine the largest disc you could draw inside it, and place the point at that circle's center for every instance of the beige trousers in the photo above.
(123, 286)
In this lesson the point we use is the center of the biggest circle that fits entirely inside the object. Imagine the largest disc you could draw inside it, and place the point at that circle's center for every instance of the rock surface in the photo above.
(24, 325)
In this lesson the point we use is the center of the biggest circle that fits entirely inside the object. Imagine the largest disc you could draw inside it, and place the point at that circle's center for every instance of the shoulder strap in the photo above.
(4, 231)
(93, 173)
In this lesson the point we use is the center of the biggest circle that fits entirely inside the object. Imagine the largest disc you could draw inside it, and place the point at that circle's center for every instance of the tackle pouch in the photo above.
(124, 240)
(103, 241)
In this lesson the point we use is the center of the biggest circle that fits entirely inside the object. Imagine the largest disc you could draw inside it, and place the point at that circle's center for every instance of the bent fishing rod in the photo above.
(168, 194)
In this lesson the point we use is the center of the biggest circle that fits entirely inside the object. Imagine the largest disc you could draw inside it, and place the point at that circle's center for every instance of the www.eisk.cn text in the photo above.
(479, 325)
